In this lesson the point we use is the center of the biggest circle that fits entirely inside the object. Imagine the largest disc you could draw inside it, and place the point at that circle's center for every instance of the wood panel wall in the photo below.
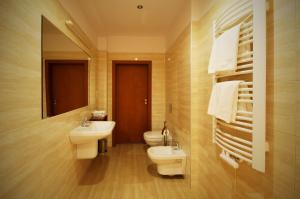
(178, 92)
(37, 158)
(101, 80)
(211, 177)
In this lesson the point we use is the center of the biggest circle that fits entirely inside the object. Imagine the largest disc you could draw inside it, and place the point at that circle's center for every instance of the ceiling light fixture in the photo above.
(140, 6)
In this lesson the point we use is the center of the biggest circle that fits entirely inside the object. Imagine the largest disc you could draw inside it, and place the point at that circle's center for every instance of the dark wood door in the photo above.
(67, 85)
(132, 108)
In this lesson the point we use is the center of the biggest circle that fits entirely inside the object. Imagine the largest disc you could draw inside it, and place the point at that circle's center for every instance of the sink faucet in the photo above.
(83, 122)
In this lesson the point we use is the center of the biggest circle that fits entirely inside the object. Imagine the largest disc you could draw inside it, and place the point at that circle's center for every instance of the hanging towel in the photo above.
(224, 52)
(223, 100)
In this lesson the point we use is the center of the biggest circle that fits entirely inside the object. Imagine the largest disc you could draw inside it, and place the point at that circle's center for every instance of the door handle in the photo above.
(146, 101)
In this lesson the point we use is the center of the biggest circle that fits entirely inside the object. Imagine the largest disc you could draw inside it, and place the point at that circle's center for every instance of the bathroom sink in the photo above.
(86, 137)
(95, 130)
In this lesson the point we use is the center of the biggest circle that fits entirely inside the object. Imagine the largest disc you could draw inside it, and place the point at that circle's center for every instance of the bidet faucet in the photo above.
(165, 133)
(164, 128)
(165, 137)
(176, 146)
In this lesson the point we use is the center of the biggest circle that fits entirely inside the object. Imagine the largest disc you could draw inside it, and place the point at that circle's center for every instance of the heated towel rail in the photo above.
(245, 139)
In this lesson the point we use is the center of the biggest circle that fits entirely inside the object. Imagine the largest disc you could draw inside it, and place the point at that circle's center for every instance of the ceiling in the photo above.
(121, 17)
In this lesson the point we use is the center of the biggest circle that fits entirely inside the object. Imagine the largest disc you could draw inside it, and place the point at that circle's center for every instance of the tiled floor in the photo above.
(125, 171)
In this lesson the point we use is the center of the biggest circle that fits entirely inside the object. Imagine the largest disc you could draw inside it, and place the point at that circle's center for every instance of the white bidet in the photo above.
(169, 160)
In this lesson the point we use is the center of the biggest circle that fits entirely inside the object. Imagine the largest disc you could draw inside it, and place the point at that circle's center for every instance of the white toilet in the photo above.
(170, 161)
(155, 138)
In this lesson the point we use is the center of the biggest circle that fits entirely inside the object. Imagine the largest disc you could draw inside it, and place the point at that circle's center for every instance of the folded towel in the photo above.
(223, 100)
(224, 52)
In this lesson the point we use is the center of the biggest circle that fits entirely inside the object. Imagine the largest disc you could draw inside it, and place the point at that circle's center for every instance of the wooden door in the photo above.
(67, 86)
(132, 107)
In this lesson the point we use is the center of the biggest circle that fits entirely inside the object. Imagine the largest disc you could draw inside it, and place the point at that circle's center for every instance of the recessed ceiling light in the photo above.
(140, 6)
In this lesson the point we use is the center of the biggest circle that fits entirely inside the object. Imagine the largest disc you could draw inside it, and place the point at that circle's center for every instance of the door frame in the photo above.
(115, 64)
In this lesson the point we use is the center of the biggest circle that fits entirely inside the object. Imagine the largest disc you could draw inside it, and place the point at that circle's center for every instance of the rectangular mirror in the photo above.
(64, 72)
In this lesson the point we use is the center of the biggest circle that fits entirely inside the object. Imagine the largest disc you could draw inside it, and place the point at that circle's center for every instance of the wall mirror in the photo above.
(64, 72)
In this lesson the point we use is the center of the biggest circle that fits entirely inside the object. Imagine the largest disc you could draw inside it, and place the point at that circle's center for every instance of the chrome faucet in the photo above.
(176, 145)
(164, 128)
(165, 137)
(83, 122)
(165, 133)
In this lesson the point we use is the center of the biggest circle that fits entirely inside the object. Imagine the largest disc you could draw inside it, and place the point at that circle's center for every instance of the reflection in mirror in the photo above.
(64, 72)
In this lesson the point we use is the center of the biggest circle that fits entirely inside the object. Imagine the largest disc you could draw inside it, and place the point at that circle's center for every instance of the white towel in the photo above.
(224, 52)
(223, 100)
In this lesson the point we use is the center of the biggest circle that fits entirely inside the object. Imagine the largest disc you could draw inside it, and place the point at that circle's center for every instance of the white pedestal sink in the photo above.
(86, 138)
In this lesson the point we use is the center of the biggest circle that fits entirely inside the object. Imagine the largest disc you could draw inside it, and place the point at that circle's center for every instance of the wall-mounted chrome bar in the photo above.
(233, 142)
(245, 101)
(235, 15)
(235, 74)
(245, 95)
(244, 112)
(246, 31)
(243, 43)
(247, 25)
(228, 146)
(235, 138)
(246, 54)
(243, 124)
(233, 153)
(245, 60)
(245, 89)
(240, 67)
(246, 37)
(234, 6)
(235, 127)
(249, 119)
(246, 84)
